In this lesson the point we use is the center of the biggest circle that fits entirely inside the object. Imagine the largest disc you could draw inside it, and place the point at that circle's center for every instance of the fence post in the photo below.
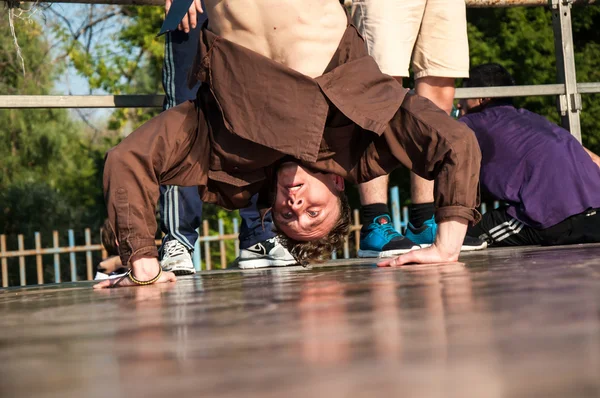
(357, 231)
(237, 233)
(4, 261)
(22, 276)
(222, 244)
(395, 199)
(405, 217)
(570, 102)
(38, 258)
(206, 231)
(88, 254)
(72, 259)
(196, 257)
(56, 257)
(103, 252)
(346, 247)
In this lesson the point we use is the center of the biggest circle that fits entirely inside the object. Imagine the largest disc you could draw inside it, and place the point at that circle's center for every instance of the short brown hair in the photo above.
(109, 239)
(315, 251)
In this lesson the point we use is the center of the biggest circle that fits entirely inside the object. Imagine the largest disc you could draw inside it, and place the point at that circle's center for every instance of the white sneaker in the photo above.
(268, 253)
(176, 258)
(100, 276)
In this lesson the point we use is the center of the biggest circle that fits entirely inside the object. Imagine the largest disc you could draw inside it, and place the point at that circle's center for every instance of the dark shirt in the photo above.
(251, 112)
(537, 167)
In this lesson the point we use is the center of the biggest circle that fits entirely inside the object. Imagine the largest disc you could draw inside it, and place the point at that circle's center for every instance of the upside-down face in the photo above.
(306, 205)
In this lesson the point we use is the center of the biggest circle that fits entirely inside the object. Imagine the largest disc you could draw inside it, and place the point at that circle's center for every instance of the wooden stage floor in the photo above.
(507, 323)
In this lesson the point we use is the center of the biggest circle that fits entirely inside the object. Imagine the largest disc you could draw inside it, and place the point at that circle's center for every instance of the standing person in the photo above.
(181, 207)
(550, 181)
(433, 33)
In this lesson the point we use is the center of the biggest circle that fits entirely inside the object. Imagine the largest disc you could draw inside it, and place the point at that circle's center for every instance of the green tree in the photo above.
(50, 172)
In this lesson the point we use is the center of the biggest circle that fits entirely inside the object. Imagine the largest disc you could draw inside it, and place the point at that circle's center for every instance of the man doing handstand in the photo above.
(291, 105)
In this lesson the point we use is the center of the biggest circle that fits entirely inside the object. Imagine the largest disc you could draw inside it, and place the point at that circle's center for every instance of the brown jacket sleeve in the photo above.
(167, 150)
(436, 147)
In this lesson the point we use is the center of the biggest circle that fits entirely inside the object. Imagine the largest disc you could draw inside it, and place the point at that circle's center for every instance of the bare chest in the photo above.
(300, 35)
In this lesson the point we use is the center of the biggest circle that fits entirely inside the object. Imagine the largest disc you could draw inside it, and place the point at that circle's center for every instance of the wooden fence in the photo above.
(48, 260)
(71, 258)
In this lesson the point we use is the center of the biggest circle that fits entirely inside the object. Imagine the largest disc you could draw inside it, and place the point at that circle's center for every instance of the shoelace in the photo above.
(173, 248)
(389, 230)
(273, 240)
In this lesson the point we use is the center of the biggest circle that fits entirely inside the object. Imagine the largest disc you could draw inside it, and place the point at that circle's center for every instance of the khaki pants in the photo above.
(434, 32)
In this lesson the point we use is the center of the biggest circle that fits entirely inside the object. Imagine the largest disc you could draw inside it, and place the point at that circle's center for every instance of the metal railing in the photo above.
(156, 100)
(568, 90)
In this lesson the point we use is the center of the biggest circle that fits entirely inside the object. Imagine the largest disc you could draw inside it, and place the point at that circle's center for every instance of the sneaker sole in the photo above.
(463, 248)
(474, 248)
(181, 271)
(261, 263)
(386, 253)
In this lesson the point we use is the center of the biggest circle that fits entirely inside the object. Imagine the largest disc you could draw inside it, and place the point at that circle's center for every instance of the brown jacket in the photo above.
(251, 112)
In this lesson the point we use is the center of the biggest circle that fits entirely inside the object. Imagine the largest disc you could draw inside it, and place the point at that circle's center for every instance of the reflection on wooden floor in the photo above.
(505, 323)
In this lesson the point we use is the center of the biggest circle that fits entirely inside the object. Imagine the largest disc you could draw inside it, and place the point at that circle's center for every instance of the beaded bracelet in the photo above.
(149, 282)
(125, 275)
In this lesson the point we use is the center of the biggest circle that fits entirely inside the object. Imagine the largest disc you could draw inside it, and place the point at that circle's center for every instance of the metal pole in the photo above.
(516, 3)
(72, 258)
(356, 231)
(196, 256)
(346, 248)
(4, 261)
(56, 257)
(236, 232)
(21, 245)
(347, 3)
(569, 104)
(222, 252)
(206, 232)
(395, 200)
(38, 258)
(405, 217)
(88, 255)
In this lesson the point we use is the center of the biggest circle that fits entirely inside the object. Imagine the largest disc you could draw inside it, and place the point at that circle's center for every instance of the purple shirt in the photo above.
(537, 167)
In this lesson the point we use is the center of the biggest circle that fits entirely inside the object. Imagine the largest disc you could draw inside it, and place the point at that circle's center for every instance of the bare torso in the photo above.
(301, 34)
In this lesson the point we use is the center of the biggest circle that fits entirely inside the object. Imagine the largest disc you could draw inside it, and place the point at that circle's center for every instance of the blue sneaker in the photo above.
(380, 239)
(425, 236)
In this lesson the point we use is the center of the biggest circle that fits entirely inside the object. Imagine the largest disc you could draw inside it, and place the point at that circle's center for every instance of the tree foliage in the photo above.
(45, 157)
(522, 40)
